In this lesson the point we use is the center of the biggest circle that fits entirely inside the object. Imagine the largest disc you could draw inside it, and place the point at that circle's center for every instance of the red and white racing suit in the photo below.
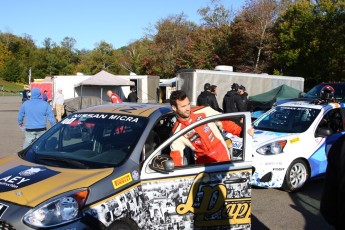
(206, 140)
(114, 98)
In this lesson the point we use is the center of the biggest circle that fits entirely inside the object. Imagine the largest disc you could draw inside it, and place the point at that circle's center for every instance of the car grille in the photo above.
(5, 226)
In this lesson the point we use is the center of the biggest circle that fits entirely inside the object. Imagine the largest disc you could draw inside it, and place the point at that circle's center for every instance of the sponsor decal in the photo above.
(3, 209)
(135, 175)
(294, 140)
(122, 180)
(199, 118)
(101, 116)
(278, 169)
(213, 201)
(21, 176)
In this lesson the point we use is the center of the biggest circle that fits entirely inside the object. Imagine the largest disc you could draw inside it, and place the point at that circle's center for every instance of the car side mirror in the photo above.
(323, 132)
(162, 163)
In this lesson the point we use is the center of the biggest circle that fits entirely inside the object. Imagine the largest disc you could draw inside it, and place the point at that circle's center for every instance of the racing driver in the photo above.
(206, 140)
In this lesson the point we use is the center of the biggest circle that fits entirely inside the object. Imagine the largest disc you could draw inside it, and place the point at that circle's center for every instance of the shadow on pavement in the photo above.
(307, 202)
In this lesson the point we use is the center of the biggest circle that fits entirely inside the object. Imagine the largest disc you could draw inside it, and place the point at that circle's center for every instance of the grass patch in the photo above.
(10, 88)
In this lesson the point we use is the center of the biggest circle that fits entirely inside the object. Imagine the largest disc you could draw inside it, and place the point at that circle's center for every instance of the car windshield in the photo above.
(339, 91)
(287, 119)
(88, 140)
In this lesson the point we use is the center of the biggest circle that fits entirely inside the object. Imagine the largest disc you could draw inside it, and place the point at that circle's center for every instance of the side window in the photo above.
(160, 132)
(213, 142)
(333, 120)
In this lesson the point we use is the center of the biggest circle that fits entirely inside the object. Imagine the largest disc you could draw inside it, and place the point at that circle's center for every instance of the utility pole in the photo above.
(29, 75)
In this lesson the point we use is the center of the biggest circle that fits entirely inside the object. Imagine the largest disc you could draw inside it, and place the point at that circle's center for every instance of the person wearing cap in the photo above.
(36, 113)
(244, 96)
(207, 98)
(58, 104)
(232, 101)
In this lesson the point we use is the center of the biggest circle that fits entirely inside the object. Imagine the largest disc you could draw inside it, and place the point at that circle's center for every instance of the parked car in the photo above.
(314, 93)
(291, 143)
(108, 167)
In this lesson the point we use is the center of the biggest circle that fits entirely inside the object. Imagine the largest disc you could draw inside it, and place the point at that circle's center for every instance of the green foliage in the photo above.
(310, 41)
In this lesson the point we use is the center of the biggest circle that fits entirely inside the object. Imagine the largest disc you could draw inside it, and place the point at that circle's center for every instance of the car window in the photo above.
(161, 131)
(287, 119)
(339, 91)
(333, 120)
(96, 140)
(213, 148)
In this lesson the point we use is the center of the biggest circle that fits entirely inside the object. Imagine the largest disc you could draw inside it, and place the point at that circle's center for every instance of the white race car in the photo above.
(291, 143)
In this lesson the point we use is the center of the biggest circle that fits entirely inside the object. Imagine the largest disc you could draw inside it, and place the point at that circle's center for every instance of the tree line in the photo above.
(288, 37)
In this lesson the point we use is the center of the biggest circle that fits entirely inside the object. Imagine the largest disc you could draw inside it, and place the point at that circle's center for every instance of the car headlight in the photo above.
(272, 148)
(59, 210)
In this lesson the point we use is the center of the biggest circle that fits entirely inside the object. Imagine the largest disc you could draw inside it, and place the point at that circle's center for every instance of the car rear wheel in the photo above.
(296, 176)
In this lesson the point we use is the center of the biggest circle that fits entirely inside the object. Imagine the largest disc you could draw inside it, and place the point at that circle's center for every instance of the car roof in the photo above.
(143, 110)
(309, 104)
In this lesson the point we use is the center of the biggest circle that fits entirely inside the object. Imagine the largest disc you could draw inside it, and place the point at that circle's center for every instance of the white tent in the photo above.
(105, 80)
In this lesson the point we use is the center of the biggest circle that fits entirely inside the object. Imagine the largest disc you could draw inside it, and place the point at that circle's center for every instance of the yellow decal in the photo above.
(294, 140)
(233, 211)
(122, 180)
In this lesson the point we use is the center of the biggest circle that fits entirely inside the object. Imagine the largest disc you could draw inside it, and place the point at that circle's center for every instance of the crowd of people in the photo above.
(235, 100)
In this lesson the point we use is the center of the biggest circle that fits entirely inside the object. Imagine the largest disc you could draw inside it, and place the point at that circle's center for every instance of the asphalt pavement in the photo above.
(271, 208)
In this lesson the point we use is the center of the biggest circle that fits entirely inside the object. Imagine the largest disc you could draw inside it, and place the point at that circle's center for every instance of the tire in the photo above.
(123, 225)
(296, 176)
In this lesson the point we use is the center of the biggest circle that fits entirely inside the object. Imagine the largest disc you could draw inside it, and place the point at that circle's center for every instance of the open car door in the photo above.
(198, 196)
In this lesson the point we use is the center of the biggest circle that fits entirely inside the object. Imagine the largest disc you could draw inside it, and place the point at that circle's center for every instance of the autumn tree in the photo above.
(311, 41)
(168, 44)
(252, 36)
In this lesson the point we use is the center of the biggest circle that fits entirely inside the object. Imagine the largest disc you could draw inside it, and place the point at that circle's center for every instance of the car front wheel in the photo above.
(296, 176)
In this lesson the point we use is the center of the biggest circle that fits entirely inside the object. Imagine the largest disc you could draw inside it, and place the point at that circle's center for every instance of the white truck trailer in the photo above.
(192, 82)
(147, 87)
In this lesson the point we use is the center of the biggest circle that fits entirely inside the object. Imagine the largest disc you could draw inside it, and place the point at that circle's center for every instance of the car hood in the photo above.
(262, 137)
(29, 184)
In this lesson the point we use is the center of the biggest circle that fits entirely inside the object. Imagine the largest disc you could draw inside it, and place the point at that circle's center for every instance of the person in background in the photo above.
(113, 97)
(44, 96)
(232, 101)
(244, 96)
(214, 89)
(26, 95)
(36, 113)
(206, 140)
(206, 98)
(58, 104)
(332, 204)
(132, 96)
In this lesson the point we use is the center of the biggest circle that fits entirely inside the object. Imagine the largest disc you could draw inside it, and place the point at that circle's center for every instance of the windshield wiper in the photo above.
(65, 160)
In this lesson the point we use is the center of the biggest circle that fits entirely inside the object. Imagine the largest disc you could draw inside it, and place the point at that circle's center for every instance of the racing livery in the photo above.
(108, 167)
(291, 143)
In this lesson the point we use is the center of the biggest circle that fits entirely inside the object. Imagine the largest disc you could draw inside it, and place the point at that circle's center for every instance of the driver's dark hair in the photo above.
(177, 95)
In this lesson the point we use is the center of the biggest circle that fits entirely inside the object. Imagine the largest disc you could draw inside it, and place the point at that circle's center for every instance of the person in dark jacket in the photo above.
(36, 113)
(207, 98)
(244, 96)
(232, 101)
(332, 205)
(132, 96)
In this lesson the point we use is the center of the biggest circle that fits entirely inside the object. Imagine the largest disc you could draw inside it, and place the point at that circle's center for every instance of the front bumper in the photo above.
(268, 174)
